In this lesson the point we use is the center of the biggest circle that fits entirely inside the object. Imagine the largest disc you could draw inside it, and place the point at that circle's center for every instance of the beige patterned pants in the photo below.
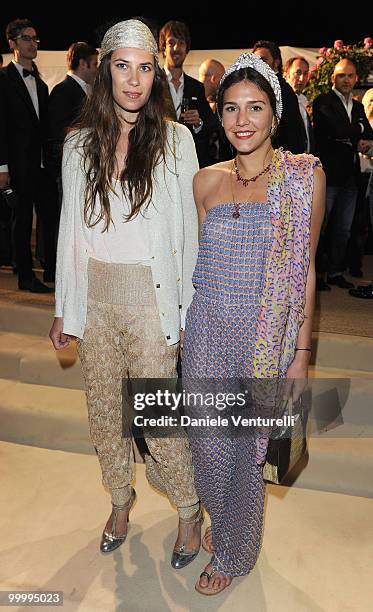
(123, 338)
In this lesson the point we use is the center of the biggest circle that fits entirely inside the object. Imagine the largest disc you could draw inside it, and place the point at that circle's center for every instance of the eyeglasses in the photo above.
(27, 38)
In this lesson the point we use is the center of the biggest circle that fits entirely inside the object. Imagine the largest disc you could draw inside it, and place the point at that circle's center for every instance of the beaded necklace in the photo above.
(245, 181)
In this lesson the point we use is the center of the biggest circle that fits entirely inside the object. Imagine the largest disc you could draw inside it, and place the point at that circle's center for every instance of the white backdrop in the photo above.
(52, 64)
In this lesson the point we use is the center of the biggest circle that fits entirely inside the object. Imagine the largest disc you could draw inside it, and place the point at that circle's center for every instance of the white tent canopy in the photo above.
(52, 64)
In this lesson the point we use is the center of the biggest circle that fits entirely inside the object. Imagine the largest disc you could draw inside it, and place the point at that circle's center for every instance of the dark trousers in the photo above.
(39, 190)
(361, 225)
(335, 232)
(6, 216)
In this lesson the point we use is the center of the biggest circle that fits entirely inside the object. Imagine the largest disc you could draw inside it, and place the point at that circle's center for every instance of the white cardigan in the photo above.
(172, 235)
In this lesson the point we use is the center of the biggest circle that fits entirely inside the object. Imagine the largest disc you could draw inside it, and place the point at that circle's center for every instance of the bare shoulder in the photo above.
(319, 176)
(209, 182)
(319, 186)
(319, 190)
(210, 177)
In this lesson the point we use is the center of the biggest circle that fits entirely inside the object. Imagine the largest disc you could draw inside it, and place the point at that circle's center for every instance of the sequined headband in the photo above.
(131, 33)
(250, 60)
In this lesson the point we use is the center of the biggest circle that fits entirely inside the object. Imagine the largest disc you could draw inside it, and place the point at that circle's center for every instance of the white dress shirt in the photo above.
(177, 97)
(176, 94)
(85, 86)
(170, 233)
(30, 83)
(348, 105)
(125, 241)
(303, 103)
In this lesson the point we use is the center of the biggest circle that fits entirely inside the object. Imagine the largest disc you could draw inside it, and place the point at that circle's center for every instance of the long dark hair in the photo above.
(252, 76)
(147, 143)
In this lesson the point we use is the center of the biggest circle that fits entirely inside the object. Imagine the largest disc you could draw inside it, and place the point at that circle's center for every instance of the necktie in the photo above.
(27, 73)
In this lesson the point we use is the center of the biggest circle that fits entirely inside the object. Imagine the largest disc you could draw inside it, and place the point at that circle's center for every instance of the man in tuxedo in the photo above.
(174, 43)
(296, 73)
(290, 134)
(341, 130)
(23, 112)
(67, 98)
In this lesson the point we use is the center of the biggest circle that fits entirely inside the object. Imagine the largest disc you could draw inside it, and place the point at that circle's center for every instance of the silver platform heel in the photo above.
(110, 541)
(181, 557)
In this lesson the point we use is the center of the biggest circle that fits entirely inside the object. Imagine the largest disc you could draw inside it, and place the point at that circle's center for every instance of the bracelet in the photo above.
(303, 349)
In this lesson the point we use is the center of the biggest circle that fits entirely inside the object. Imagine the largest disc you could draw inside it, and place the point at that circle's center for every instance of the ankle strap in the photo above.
(118, 507)
(127, 504)
(195, 519)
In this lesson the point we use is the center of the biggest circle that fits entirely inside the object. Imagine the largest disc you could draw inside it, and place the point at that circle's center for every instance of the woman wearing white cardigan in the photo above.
(126, 251)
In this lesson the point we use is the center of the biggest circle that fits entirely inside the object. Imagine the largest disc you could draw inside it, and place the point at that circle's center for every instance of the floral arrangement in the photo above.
(320, 74)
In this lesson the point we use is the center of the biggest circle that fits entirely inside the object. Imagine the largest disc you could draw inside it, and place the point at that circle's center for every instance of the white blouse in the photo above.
(125, 241)
(171, 233)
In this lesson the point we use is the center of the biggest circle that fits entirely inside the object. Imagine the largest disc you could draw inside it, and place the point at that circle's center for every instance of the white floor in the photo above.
(317, 551)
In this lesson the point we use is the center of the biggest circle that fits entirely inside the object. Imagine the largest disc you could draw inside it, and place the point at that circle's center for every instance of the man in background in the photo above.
(23, 115)
(210, 74)
(362, 224)
(188, 95)
(296, 73)
(341, 131)
(66, 101)
(290, 134)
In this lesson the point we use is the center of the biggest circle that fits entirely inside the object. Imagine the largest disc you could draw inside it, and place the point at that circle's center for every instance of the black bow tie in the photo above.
(27, 73)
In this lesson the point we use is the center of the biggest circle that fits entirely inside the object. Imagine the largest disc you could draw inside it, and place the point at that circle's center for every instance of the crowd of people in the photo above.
(34, 124)
(155, 159)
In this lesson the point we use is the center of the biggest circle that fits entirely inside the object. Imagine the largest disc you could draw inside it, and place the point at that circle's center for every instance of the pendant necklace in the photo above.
(245, 181)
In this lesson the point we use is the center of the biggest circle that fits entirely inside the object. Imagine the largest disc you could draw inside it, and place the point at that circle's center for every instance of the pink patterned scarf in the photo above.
(290, 192)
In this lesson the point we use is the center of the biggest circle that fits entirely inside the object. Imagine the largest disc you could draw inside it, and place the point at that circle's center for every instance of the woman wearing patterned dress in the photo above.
(124, 278)
(251, 314)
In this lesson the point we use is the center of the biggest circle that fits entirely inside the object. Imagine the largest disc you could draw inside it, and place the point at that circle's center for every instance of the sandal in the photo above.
(207, 590)
(109, 540)
(180, 557)
(207, 544)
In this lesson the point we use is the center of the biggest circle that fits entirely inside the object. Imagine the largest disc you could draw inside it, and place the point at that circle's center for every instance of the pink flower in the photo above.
(323, 50)
(319, 61)
(338, 44)
(328, 51)
(368, 42)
